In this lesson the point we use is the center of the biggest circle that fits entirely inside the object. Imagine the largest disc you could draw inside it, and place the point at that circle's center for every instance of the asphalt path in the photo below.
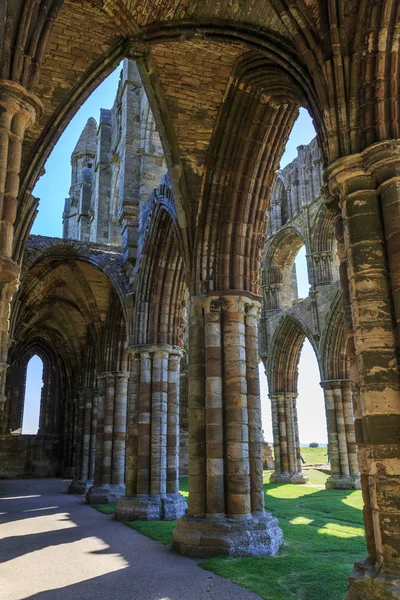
(55, 547)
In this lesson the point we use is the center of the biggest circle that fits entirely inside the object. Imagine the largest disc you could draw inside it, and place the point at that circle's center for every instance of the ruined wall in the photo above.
(30, 456)
(115, 167)
(298, 217)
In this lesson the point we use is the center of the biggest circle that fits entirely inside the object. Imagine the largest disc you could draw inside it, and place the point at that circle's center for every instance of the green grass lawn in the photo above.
(323, 536)
(314, 456)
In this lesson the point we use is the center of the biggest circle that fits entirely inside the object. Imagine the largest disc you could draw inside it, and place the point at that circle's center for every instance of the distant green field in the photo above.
(314, 456)
(323, 536)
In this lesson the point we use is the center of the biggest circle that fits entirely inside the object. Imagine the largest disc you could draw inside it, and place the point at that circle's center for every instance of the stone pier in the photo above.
(108, 485)
(341, 435)
(152, 471)
(286, 439)
(226, 500)
(81, 483)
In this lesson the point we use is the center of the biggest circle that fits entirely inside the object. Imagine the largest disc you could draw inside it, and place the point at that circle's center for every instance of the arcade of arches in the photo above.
(111, 313)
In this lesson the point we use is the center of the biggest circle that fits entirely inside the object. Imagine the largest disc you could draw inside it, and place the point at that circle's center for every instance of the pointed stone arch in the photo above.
(284, 354)
(278, 274)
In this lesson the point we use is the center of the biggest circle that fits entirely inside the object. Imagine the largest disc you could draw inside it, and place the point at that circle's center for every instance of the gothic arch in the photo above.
(278, 282)
(57, 376)
(68, 298)
(332, 346)
(284, 354)
(324, 238)
(107, 260)
(244, 154)
(161, 278)
(324, 248)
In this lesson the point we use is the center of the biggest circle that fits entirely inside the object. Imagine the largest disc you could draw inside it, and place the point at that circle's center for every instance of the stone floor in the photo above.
(54, 547)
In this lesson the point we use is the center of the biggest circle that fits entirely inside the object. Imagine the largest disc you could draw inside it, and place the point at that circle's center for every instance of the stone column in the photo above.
(82, 482)
(118, 449)
(108, 485)
(286, 439)
(183, 417)
(226, 501)
(152, 484)
(69, 439)
(93, 440)
(18, 111)
(341, 436)
(367, 188)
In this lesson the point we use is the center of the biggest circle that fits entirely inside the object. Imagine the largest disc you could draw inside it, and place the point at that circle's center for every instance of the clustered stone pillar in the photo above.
(85, 435)
(226, 500)
(108, 485)
(152, 469)
(18, 111)
(183, 418)
(286, 439)
(341, 435)
(367, 187)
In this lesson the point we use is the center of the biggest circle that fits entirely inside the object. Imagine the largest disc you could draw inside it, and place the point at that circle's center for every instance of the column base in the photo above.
(256, 534)
(151, 508)
(295, 478)
(343, 483)
(79, 487)
(366, 583)
(104, 494)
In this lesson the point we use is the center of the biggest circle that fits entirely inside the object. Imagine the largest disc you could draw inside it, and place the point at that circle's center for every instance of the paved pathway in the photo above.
(54, 547)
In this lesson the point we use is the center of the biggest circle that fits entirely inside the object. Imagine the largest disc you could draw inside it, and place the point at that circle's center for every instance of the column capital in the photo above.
(331, 384)
(114, 374)
(234, 300)
(14, 98)
(380, 161)
(282, 396)
(153, 348)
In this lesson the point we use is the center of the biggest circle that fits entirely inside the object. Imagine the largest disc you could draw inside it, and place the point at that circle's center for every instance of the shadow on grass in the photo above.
(323, 536)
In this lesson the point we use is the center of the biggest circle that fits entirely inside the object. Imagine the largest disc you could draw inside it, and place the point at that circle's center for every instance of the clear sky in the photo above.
(53, 188)
(34, 382)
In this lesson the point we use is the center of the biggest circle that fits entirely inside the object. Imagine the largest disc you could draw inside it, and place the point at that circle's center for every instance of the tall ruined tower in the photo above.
(76, 215)
(115, 167)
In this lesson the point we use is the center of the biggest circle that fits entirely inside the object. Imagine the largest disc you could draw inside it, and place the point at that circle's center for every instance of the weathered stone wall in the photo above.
(30, 456)
(114, 170)
(268, 457)
(101, 192)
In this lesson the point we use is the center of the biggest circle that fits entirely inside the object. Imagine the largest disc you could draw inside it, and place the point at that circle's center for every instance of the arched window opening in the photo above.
(284, 207)
(311, 407)
(33, 395)
(302, 133)
(300, 281)
(266, 419)
(286, 273)
(80, 175)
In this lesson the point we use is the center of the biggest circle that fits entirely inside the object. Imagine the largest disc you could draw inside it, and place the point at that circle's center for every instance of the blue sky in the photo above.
(53, 188)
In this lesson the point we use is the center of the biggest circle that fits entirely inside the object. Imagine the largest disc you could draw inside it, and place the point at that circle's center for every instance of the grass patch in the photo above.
(314, 456)
(106, 509)
(323, 536)
(315, 477)
(161, 531)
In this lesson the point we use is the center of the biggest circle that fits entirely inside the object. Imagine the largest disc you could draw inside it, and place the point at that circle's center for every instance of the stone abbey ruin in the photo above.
(175, 274)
